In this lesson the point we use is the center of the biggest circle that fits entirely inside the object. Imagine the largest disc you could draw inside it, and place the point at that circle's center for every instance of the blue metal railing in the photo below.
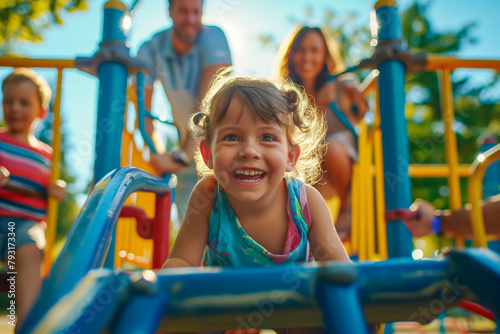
(343, 296)
(89, 238)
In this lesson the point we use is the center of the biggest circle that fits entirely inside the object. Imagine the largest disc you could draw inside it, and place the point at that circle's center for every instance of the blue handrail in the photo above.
(88, 239)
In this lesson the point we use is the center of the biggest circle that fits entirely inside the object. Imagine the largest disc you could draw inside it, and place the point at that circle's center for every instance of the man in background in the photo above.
(183, 58)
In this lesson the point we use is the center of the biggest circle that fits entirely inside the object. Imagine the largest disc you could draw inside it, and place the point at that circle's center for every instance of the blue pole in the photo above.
(341, 308)
(394, 131)
(112, 100)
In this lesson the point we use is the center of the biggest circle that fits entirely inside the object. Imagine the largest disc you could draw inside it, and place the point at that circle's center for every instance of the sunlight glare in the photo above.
(373, 24)
(417, 254)
(126, 23)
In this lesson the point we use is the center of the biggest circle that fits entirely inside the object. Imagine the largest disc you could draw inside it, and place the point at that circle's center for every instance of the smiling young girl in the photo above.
(251, 208)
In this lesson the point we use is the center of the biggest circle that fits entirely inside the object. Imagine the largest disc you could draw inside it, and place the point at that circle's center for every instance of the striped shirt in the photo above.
(29, 169)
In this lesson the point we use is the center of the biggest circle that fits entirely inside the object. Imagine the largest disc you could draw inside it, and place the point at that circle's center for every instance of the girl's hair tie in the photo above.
(291, 97)
(199, 119)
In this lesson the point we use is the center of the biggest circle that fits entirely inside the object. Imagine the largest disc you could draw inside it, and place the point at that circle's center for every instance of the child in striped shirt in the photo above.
(24, 183)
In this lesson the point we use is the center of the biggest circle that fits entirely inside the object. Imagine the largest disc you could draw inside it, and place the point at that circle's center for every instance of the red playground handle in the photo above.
(474, 307)
(400, 214)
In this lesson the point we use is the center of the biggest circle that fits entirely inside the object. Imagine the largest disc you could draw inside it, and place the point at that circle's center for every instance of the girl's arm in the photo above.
(324, 240)
(190, 242)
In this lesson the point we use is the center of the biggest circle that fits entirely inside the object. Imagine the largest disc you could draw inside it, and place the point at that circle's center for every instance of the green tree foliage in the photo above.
(25, 20)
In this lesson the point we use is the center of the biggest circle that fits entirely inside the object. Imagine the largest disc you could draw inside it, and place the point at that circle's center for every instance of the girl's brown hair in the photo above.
(283, 103)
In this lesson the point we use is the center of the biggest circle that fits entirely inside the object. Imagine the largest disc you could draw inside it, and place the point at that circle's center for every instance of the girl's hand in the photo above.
(4, 176)
(57, 190)
(420, 226)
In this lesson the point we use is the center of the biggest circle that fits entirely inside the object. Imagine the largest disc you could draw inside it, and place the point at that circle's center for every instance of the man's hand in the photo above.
(57, 190)
(4, 176)
(164, 163)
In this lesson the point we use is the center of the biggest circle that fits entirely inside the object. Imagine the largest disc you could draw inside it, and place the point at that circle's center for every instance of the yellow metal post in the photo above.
(52, 205)
(363, 224)
(370, 200)
(355, 205)
(475, 188)
(450, 142)
(379, 184)
(450, 138)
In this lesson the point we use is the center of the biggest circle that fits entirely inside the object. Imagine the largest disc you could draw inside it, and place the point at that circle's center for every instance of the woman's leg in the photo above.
(336, 181)
(338, 170)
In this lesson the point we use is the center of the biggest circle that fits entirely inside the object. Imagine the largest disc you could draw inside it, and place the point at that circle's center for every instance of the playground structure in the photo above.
(395, 290)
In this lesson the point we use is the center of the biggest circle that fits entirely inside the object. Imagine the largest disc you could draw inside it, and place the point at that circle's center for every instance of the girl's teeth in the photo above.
(253, 174)
(245, 172)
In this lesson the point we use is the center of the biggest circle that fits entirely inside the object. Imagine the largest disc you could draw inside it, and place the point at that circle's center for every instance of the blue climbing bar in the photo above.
(397, 183)
(112, 98)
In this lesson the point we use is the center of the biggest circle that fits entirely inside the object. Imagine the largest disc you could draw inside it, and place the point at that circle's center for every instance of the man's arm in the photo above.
(215, 56)
(146, 55)
(166, 162)
(207, 75)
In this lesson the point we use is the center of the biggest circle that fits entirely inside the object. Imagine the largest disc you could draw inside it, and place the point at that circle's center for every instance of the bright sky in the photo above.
(242, 21)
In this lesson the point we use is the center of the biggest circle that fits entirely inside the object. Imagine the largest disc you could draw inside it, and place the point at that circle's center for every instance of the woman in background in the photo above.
(309, 56)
